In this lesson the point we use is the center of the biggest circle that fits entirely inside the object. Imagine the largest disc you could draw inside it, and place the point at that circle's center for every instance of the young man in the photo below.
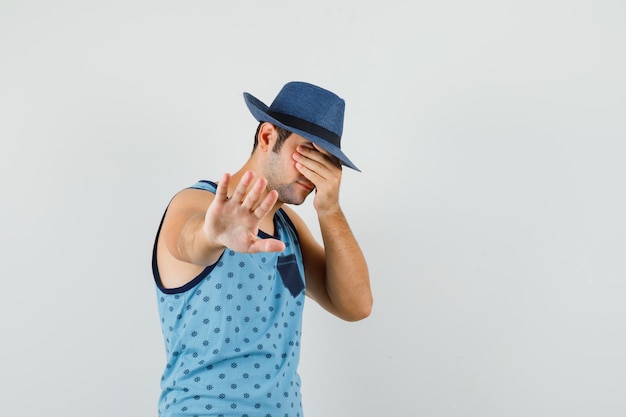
(232, 264)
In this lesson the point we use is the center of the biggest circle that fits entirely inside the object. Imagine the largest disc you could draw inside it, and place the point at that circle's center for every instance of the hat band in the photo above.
(307, 126)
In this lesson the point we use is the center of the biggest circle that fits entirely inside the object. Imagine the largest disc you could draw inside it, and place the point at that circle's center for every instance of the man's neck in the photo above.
(234, 181)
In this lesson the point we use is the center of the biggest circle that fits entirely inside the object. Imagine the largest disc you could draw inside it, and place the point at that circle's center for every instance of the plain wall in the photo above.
(491, 135)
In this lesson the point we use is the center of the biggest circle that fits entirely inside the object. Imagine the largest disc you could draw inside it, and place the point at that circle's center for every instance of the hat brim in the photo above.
(259, 111)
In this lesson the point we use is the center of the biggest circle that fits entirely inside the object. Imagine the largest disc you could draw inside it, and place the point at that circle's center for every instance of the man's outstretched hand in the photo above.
(234, 222)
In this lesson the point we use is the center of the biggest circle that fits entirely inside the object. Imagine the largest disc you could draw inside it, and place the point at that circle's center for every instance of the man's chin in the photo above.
(294, 195)
(294, 202)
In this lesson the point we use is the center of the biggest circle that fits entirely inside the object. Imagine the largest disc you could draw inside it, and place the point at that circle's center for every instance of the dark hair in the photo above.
(283, 134)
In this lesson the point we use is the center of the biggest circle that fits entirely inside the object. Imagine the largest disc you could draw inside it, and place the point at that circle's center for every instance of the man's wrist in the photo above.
(334, 211)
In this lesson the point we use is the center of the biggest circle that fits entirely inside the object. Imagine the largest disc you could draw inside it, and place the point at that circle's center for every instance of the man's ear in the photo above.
(267, 137)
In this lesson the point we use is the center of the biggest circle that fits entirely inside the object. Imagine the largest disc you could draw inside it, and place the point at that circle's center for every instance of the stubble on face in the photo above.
(288, 192)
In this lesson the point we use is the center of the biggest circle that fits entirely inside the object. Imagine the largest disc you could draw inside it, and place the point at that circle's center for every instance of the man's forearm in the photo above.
(347, 276)
(194, 247)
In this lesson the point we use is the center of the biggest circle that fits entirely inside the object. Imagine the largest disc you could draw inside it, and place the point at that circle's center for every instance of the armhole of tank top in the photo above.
(203, 274)
(283, 215)
(155, 268)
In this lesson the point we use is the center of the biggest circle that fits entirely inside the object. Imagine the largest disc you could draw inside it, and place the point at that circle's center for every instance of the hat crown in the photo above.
(312, 104)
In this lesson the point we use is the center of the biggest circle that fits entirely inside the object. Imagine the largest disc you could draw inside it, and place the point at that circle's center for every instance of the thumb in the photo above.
(267, 245)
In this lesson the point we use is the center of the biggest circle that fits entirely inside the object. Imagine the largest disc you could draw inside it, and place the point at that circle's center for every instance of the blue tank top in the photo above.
(232, 334)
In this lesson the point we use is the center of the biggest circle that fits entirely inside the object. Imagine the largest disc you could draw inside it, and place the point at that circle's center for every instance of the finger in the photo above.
(308, 173)
(267, 204)
(308, 158)
(324, 152)
(251, 200)
(267, 245)
(242, 187)
(309, 162)
(315, 160)
(221, 193)
(310, 153)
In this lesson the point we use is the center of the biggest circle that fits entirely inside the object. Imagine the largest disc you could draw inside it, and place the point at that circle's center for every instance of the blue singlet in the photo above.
(232, 334)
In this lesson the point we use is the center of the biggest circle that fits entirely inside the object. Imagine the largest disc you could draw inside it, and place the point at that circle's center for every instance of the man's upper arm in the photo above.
(186, 204)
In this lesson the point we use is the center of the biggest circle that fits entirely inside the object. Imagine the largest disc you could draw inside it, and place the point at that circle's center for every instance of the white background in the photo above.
(491, 135)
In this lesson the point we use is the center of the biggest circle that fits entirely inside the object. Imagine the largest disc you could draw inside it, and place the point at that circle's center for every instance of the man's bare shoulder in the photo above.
(191, 199)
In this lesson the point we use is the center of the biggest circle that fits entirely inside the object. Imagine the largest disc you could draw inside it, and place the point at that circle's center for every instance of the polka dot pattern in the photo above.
(232, 335)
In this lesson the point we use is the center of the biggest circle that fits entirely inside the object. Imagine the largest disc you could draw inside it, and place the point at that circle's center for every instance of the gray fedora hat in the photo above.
(307, 110)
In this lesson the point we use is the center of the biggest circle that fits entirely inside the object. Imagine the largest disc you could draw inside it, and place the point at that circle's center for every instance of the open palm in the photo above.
(234, 222)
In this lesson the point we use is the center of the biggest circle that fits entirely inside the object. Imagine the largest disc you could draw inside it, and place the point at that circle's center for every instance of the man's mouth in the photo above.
(306, 185)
